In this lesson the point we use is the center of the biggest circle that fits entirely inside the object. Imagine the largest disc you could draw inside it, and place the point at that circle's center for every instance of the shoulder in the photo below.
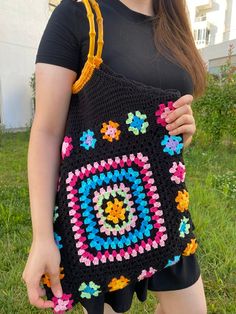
(70, 16)
(70, 9)
(62, 38)
(70, 6)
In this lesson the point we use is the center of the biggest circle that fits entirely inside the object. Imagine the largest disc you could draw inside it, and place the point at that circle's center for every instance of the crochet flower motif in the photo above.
(66, 147)
(163, 112)
(174, 261)
(183, 200)
(62, 304)
(137, 123)
(116, 284)
(178, 171)
(89, 290)
(55, 213)
(110, 131)
(115, 210)
(184, 227)
(58, 240)
(46, 278)
(147, 273)
(172, 144)
(190, 248)
(87, 140)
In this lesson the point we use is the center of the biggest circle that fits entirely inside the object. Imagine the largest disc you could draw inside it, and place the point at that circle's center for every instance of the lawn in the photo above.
(211, 181)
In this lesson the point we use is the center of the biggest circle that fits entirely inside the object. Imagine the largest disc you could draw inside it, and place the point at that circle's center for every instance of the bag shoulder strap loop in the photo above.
(93, 61)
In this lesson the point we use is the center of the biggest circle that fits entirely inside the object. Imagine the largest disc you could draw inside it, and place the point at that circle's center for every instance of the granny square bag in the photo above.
(121, 211)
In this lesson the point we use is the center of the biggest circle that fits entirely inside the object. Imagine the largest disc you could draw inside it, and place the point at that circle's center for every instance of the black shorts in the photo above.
(178, 276)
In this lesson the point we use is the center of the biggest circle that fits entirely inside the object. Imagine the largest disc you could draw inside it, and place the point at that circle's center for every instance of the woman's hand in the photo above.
(181, 120)
(44, 257)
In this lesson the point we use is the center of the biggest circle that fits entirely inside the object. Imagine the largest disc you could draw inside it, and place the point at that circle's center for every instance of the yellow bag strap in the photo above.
(93, 61)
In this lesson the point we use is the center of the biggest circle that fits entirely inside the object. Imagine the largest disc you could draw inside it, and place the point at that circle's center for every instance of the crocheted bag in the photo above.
(121, 211)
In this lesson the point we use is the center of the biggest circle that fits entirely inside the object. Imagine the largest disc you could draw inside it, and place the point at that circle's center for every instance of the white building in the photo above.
(214, 28)
(22, 24)
(21, 27)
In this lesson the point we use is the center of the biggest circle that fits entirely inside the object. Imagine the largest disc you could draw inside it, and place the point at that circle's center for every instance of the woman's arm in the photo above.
(53, 92)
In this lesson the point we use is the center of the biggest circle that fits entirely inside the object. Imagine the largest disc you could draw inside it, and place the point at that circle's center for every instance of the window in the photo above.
(202, 36)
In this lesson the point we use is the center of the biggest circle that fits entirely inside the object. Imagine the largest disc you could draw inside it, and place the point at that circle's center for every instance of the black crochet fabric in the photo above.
(121, 210)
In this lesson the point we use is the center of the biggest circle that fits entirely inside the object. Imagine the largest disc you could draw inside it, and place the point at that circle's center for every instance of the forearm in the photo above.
(43, 162)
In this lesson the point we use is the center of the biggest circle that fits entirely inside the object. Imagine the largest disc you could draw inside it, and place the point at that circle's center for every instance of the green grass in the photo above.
(211, 184)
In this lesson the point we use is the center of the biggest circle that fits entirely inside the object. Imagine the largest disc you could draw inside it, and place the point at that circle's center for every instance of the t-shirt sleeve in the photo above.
(60, 42)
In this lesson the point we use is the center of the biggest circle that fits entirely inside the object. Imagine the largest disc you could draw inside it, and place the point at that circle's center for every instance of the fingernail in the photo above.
(58, 294)
(174, 105)
(167, 119)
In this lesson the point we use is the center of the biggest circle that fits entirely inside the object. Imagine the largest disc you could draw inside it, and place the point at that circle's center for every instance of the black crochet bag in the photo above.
(121, 210)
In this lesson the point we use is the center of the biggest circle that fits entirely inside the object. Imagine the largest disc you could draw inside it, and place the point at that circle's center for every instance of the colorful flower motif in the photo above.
(89, 290)
(62, 304)
(172, 144)
(184, 227)
(55, 213)
(100, 200)
(183, 200)
(57, 240)
(163, 112)
(174, 261)
(137, 122)
(87, 140)
(116, 284)
(110, 131)
(46, 278)
(90, 187)
(115, 210)
(178, 171)
(190, 248)
(66, 147)
(147, 273)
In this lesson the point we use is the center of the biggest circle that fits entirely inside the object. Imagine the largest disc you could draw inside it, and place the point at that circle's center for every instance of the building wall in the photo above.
(215, 56)
(21, 27)
(220, 19)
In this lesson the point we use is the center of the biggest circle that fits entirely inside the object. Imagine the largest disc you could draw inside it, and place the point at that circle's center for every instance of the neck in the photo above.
(141, 6)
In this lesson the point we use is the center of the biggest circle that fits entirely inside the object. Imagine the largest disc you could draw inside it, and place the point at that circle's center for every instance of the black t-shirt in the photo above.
(129, 47)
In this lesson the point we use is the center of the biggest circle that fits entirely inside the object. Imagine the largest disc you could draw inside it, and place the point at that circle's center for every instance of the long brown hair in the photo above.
(174, 40)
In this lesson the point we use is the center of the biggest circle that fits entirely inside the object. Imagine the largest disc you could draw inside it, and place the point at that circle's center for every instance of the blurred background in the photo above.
(210, 159)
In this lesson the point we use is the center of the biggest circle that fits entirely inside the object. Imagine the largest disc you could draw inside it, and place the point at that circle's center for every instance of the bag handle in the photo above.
(93, 61)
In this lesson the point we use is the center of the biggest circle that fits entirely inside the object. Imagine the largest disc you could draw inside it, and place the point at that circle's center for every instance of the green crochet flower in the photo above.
(89, 290)
(184, 227)
(137, 123)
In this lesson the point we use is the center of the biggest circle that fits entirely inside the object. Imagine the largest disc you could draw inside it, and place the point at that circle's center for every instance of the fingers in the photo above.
(41, 292)
(173, 115)
(35, 294)
(186, 99)
(186, 121)
(181, 119)
(56, 284)
(183, 129)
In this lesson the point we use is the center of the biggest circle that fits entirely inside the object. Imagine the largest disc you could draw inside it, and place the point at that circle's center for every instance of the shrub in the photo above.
(215, 111)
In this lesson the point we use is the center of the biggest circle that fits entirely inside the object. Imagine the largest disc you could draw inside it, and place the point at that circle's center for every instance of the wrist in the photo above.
(43, 237)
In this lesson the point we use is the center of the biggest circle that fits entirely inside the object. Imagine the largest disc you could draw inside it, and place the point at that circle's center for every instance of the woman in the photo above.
(165, 58)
